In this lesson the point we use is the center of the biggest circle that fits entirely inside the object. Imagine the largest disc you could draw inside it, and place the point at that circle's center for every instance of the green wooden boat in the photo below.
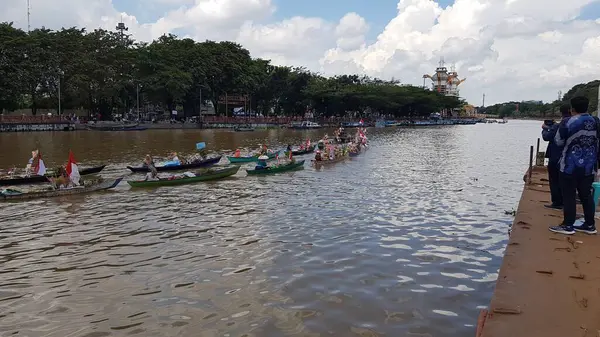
(204, 176)
(278, 168)
(88, 187)
(250, 159)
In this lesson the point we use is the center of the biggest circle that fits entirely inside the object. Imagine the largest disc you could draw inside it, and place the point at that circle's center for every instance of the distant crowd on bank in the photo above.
(573, 161)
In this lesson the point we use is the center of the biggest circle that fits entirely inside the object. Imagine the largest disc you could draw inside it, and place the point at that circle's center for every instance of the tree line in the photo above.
(105, 72)
(538, 109)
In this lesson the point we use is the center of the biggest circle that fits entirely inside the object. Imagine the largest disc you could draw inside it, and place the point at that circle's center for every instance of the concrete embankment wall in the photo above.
(36, 127)
(549, 284)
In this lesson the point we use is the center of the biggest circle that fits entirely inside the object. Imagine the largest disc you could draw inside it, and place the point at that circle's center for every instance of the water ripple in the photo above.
(405, 239)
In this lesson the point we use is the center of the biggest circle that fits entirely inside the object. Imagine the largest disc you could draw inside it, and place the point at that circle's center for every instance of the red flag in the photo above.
(71, 161)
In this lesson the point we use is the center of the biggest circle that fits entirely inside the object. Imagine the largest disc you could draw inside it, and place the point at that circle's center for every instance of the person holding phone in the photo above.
(578, 165)
(553, 152)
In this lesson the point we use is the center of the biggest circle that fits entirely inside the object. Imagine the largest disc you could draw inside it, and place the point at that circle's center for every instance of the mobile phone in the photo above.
(549, 122)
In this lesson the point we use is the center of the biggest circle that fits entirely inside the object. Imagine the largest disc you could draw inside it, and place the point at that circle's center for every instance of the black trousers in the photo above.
(554, 181)
(572, 184)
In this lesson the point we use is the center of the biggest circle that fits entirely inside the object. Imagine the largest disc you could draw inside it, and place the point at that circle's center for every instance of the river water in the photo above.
(404, 240)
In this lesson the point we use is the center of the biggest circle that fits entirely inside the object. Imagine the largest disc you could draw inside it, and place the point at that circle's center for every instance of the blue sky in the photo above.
(377, 12)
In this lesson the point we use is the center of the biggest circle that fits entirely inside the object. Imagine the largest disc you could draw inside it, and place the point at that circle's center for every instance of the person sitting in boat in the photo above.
(264, 150)
(289, 148)
(262, 163)
(318, 156)
(62, 180)
(201, 155)
(172, 160)
(148, 161)
(321, 145)
(35, 165)
(238, 153)
(152, 172)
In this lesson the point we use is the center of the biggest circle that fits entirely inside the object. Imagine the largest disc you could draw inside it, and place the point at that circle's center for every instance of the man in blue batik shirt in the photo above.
(579, 138)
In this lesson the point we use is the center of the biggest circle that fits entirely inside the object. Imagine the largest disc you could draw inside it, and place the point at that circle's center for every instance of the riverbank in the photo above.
(548, 283)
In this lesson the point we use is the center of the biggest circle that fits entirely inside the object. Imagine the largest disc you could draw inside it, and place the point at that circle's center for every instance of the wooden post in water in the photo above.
(530, 164)
(539, 156)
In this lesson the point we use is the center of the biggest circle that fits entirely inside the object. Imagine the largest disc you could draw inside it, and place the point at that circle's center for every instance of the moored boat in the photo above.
(115, 127)
(243, 128)
(36, 179)
(308, 150)
(188, 166)
(278, 168)
(306, 125)
(250, 159)
(10, 194)
(186, 179)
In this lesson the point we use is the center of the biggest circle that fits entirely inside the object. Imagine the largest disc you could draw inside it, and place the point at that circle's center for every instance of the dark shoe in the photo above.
(584, 228)
(555, 207)
(567, 230)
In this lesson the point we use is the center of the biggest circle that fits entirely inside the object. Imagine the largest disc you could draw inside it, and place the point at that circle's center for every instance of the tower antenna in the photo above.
(121, 28)
(28, 15)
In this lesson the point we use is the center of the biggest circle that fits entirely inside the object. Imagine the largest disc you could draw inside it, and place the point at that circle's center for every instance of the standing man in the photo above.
(553, 154)
(579, 138)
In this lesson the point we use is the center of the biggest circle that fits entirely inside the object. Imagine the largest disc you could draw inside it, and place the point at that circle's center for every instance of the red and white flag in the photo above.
(40, 167)
(72, 169)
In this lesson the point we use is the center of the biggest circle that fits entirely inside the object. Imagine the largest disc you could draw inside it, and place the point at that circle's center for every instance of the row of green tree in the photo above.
(102, 72)
(534, 109)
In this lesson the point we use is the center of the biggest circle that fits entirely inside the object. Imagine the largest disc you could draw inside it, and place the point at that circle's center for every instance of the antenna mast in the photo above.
(28, 15)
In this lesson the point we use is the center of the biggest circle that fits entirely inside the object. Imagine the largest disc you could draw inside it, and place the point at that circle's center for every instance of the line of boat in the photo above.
(115, 127)
(207, 173)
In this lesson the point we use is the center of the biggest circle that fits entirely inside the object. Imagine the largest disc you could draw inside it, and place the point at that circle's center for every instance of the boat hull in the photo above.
(219, 174)
(199, 164)
(105, 185)
(237, 160)
(118, 127)
(278, 169)
(303, 152)
(328, 162)
(44, 179)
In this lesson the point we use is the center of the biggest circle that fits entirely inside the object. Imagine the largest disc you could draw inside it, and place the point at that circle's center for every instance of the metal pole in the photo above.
(59, 95)
(530, 164)
(138, 102)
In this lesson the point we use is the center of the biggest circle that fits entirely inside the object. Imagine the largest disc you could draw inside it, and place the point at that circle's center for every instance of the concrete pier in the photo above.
(549, 284)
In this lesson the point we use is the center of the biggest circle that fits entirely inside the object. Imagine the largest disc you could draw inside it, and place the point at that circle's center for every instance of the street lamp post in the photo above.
(60, 73)
(138, 102)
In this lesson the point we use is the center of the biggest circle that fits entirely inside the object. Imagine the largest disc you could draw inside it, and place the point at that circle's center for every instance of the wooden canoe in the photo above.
(204, 176)
(305, 151)
(35, 179)
(194, 165)
(17, 195)
(278, 168)
(328, 162)
(250, 159)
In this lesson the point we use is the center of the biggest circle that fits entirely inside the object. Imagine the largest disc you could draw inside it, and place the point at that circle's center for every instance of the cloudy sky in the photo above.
(507, 49)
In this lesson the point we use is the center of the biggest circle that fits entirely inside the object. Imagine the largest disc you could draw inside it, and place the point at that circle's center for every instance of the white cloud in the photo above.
(509, 49)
